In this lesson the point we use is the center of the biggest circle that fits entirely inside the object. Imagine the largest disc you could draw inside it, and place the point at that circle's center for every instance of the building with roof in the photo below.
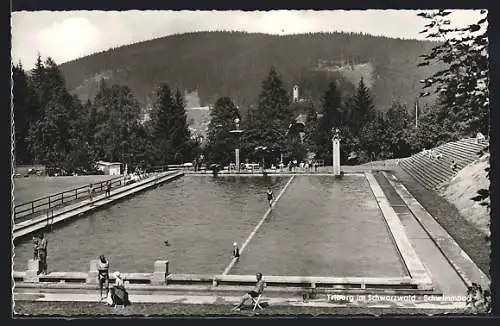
(109, 168)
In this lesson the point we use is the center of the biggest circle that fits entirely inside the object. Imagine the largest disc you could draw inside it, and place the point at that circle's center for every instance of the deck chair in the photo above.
(256, 304)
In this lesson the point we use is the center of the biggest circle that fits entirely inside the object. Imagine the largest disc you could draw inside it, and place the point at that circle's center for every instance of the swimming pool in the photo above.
(320, 226)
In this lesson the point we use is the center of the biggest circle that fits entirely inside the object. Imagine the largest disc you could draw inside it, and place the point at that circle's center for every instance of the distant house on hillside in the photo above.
(109, 168)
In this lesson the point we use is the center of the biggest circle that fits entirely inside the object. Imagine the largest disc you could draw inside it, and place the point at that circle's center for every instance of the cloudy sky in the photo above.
(67, 35)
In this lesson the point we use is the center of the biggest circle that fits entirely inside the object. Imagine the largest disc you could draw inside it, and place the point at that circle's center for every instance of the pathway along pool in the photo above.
(320, 226)
(200, 217)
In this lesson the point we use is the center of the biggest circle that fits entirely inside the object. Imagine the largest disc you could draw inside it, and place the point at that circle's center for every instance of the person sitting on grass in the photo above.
(118, 294)
(257, 290)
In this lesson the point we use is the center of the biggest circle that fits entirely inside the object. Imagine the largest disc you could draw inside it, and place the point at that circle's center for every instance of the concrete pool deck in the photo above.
(468, 271)
(410, 258)
(407, 302)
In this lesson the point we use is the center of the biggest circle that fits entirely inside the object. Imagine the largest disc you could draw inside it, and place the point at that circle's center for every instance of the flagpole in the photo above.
(416, 114)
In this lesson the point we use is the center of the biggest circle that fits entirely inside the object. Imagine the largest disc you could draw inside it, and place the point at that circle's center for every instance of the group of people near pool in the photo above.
(117, 295)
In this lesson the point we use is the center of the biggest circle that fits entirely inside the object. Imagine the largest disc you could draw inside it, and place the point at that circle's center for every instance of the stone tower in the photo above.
(295, 94)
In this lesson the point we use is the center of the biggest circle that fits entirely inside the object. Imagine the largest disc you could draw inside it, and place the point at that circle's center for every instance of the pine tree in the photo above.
(161, 116)
(331, 119)
(24, 110)
(221, 142)
(169, 127)
(181, 134)
(361, 109)
(397, 127)
(274, 100)
(311, 129)
(57, 127)
(272, 118)
(118, 115)
(374, 140)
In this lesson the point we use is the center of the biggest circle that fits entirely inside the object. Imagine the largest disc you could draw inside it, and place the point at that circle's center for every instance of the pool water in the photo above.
(324, 227)
(320, 226)
(200, 217)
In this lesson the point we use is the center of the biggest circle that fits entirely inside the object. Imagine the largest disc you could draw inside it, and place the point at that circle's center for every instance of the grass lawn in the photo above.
(179, 309)
(27, 189)
(473, 242)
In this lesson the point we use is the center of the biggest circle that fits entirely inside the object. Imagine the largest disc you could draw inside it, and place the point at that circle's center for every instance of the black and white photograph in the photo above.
(250, 163)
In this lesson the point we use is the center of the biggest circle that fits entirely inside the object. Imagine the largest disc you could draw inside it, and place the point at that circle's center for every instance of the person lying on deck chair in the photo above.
(257, 290)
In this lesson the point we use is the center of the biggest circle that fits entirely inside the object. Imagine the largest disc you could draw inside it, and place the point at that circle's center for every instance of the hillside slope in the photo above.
(235, 63)
(464, 186)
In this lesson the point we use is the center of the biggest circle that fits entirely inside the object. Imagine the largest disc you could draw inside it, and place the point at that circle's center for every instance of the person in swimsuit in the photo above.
(35, 248)
(257, 290)
(236, 251)
(42, 255)
(108, 188)
(91, 194)
(103, 275)
(270, 196)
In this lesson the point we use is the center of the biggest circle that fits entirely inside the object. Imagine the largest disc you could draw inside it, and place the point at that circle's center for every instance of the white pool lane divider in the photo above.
(243, 246)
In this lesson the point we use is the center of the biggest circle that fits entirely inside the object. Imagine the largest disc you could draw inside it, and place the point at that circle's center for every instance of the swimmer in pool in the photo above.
(270, 196)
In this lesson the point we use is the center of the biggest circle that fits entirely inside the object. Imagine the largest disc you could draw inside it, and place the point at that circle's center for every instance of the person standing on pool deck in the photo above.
(108, 189)
(42, 255)
(103, 275)
(91, 193)
(270, 196)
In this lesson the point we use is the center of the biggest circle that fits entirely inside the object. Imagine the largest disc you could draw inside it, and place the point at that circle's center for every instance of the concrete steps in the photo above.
(432, 173)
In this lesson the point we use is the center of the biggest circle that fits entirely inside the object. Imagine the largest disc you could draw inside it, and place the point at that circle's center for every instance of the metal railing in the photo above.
(47, 203)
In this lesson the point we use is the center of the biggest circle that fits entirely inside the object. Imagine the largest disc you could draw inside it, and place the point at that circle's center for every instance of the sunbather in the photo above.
(257, 290)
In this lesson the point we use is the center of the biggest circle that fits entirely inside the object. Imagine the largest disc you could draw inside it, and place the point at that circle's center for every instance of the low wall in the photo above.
(160, 278)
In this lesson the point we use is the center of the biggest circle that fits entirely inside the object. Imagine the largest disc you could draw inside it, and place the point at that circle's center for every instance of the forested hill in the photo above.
(235, 63)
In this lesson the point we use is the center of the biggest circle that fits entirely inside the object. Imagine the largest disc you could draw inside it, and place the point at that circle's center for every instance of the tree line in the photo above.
(271, 133)
(54, 128)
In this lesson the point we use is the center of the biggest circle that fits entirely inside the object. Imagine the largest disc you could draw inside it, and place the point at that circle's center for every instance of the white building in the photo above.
(109, 168)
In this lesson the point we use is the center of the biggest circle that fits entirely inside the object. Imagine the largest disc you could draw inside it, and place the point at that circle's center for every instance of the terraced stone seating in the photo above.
(433, 172)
